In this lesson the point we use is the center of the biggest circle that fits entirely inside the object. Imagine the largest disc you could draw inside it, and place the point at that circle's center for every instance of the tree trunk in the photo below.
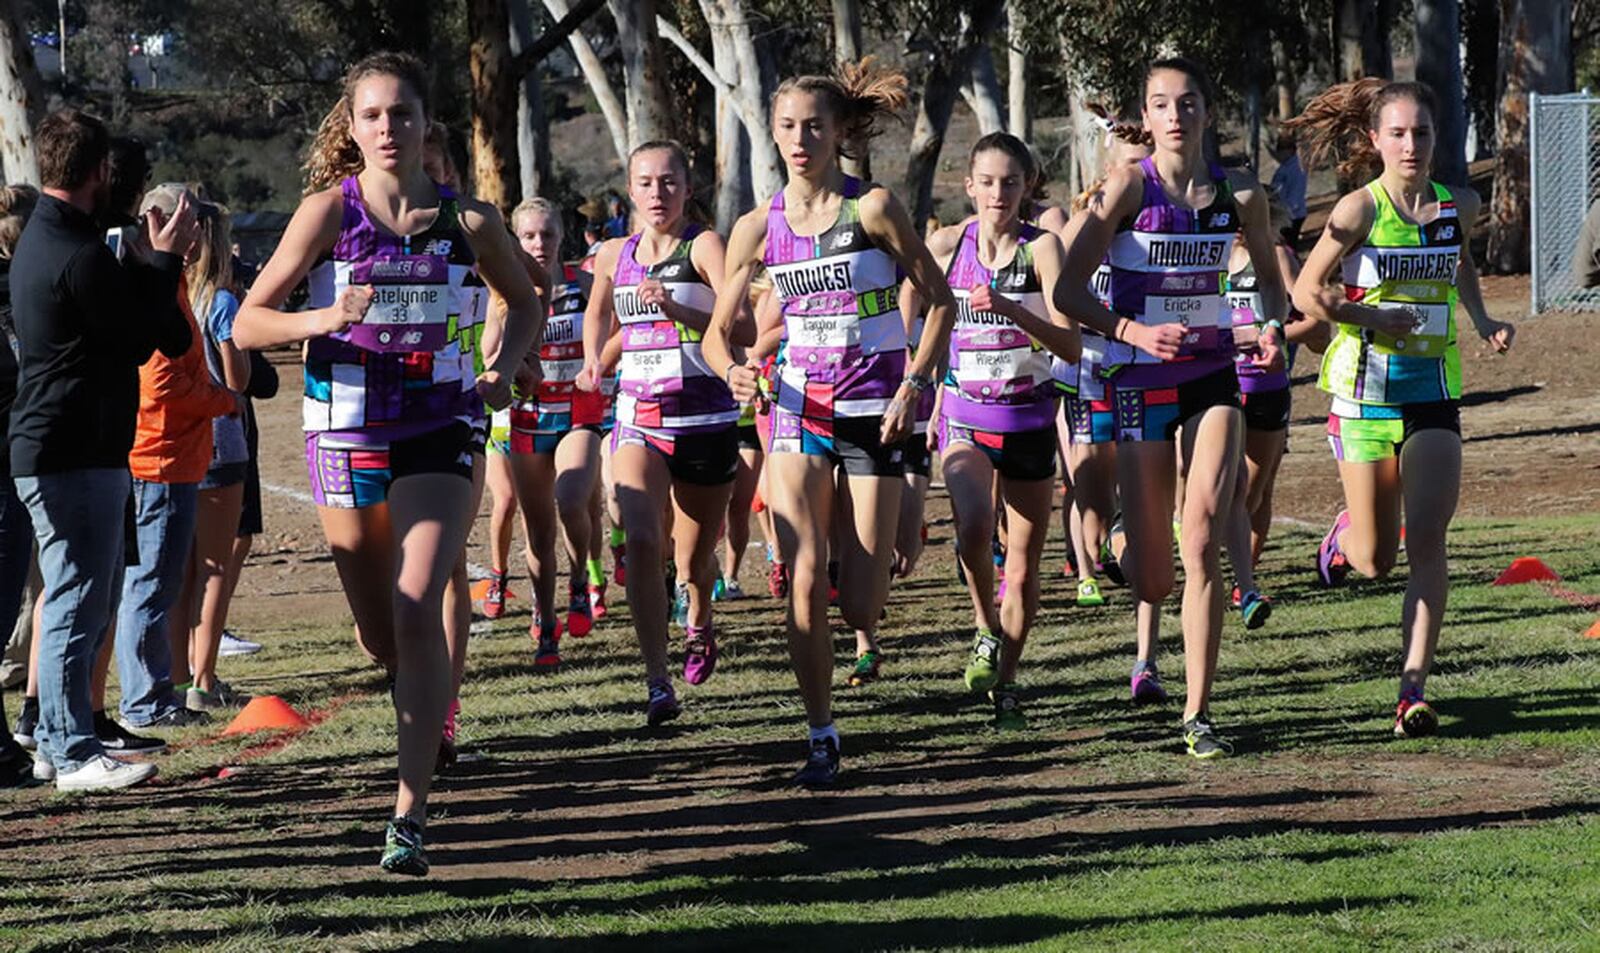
(21, 100)
(494, 105)
(1019, 111)
(1438, 24)
(982, 92)
(643, 70)
(1362, 36)
(939, 92)
(1282, 80)
(594, 74)
(533, 134)
(756, 83)
(734, 191)
(1535, 57)
(847, 30)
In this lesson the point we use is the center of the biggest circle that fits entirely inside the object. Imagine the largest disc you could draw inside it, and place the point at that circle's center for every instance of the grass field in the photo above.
(571, 827)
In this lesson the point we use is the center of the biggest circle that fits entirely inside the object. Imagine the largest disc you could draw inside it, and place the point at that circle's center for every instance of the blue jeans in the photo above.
(164, 518)
(16, 551)
(78, 520)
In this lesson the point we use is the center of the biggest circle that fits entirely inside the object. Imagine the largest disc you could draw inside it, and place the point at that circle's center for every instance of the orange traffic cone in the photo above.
(1594, 631)
(266, 713)
(1526, 569)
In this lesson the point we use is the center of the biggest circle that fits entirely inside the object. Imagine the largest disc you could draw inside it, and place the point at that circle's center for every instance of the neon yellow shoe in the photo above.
(1089, 593)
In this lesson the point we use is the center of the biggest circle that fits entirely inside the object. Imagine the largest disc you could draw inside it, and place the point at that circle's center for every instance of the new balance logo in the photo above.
(1447, 232)
(437, 246)
(1221, 220)
(844, 238)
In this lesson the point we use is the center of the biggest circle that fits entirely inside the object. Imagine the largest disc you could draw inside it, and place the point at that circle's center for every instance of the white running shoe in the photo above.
(104, 773)
(233, 645)
(42, 769)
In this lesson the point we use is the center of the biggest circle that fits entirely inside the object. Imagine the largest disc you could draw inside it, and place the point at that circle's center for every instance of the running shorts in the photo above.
(348, 475)
(702, 458)
(1368, 433)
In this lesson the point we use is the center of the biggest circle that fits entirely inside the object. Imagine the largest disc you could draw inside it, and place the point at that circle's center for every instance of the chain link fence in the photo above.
(1565, 162)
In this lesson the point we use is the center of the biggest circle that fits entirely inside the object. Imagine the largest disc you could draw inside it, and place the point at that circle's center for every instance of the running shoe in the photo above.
(1202, 739)
(119, 740)
(731, 590)
(1089, 593)
(447, 739)
(402, 848)
(1332, 566)
(822, 765)
(494, 598)
(16, 768)
(580, 616)
(662, 705)
(1008, 714)
(983, 669)
(221, 695)
(680, 604)
(699, 654)
(778, 581)
(717, 589)
(1235, 597)
(176, 718)
(867, 665)
(547, 652)
(1255, 608)
(1415, 718)
(997, 550)
(1145, 686)
(231, 645)
(619, 563)
(597, 601)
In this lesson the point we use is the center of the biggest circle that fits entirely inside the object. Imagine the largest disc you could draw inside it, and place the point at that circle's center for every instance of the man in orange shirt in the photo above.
(171, 452)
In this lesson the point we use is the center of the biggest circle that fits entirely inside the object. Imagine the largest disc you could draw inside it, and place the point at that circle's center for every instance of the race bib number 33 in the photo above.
(411, 304)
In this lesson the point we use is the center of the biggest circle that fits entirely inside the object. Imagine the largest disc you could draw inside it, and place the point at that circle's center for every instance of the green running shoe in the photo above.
(1089, 593)
(866, 669)
(1203, 741)
(402, 849)
(1008, 708)
(983, 670)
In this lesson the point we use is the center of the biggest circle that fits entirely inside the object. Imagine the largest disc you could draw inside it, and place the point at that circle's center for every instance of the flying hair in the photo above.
(1333, 127)
(333, 155)
(857, 94)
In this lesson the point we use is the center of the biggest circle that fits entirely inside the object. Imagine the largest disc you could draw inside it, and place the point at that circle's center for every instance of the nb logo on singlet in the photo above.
(1016, 280)
(1220, 220)
(669, 271)
(437, 246)
(844, 238)
(1447, 232)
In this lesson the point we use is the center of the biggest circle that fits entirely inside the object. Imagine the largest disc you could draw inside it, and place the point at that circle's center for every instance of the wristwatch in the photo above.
(918, 382)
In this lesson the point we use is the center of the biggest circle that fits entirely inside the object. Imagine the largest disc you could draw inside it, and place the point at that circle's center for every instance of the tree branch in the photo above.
(523, 63)
(699, 62)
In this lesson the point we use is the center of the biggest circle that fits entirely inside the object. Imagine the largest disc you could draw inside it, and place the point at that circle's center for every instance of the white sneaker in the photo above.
(233, 645)
(104, 773)
(42, 769)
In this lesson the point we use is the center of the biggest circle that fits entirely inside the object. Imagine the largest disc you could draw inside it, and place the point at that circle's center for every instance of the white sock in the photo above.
(826, 731)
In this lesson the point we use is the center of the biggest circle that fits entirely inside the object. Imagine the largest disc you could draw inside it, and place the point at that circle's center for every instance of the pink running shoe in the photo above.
(597, 601)
(1145, 686)
(580, 616)
(1332, 566)
(700, 655)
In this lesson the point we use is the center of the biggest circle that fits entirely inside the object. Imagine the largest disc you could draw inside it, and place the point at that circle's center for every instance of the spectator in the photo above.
(1290, 183)
(171, 453)
(16, 529)
(208, 277)
(1586, 258)
(84, 325)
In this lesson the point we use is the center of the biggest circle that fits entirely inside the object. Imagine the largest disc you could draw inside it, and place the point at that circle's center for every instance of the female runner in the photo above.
(1167, 226)
(391, 395)
(845, 401)
(674, 442)
(555, 442)
(999, 405)
(1398, 245)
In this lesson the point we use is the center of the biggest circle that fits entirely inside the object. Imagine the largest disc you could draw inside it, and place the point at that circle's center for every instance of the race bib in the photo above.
(645, 372)
(411, 303)
(824, 331)
(1430, 330)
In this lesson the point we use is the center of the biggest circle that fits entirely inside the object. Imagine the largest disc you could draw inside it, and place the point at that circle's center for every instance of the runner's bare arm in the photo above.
(1499, 334)
(1057, 332)
(1318, 291)
(744, 252)
(1256, 221)
(311, 234)
(599, 318)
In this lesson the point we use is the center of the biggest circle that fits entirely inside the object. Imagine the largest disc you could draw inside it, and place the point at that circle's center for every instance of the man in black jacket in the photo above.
(84, 325)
